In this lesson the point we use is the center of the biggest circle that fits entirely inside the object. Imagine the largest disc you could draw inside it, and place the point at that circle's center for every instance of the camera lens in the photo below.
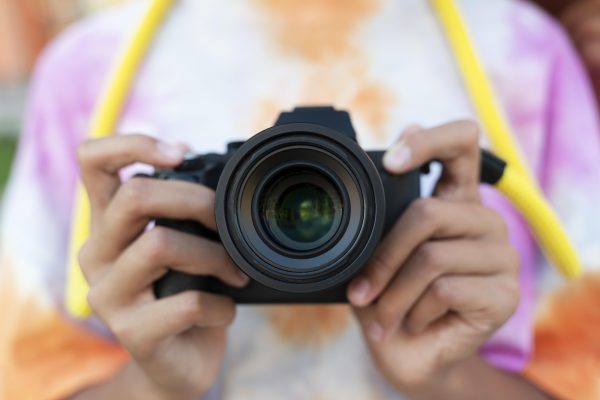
(301, 215)
(300, 208)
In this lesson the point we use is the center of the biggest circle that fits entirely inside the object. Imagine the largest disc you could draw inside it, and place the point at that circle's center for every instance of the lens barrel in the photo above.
(300, 207)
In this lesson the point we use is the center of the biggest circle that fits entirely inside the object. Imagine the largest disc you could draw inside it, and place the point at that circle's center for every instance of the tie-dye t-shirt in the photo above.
(223, 70)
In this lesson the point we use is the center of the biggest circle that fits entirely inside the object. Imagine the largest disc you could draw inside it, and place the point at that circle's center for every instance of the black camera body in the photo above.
(300, 208)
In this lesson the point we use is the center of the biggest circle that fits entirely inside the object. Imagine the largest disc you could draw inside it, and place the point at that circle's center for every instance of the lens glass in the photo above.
(304, 213)
(301, 215)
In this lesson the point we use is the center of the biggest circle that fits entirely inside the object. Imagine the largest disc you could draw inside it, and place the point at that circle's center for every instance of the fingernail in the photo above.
(172, 152)
(397, 157)
(244, 279)
(376, 332)
(359, 291)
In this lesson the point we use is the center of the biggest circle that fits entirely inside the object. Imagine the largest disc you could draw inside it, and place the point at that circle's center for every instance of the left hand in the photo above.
(445, 278)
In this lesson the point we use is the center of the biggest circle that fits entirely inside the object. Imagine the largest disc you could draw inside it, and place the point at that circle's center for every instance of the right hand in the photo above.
(176, 343)
(581, 18)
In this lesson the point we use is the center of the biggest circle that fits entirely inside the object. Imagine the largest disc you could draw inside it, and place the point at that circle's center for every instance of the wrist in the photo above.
(474, 379)
(148, 389)
(133, 383)
(451, 382)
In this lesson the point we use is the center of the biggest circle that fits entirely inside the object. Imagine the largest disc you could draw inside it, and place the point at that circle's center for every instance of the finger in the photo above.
(588, 29)
(144, 328)
(141, 199)
(431, 307)
(101, 159)
(434, 260)
(590, 51)
(455, 145)
(483, 302)
(148, 258)
(579, 12)
(366, 317)
(424, 219)
(587, 38)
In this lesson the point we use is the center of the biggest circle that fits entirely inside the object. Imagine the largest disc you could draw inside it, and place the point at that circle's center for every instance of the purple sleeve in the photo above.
(39, 197)
(566, 159)
(571, 165)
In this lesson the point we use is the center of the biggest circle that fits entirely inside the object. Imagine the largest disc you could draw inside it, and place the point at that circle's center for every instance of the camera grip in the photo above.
(399, 190)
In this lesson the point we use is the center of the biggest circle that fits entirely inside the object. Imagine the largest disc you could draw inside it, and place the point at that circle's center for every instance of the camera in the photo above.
(300, 208)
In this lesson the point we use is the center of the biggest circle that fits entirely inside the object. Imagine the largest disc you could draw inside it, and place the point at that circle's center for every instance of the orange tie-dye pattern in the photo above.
(317, 30)
(566, 359)
(43, 355)
(313, 325)
(335, 69)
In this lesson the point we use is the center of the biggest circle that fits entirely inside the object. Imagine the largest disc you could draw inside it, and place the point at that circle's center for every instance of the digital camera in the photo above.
(300, 208)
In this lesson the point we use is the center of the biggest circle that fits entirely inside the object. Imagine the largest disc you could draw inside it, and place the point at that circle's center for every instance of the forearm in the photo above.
(129, 383)
(476, 379)
(554, 6)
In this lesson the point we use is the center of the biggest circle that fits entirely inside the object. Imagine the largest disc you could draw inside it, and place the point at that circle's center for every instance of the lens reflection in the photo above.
(304, 213)
(301, 211)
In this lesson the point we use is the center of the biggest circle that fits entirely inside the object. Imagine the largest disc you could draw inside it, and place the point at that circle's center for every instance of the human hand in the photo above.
(176, 343)
(582, 21)
(445, 278)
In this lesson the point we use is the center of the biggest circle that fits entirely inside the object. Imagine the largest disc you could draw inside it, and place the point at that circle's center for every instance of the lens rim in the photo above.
(348, 158)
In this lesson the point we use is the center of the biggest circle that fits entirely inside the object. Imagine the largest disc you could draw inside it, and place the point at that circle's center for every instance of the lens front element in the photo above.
(302, 212)
(299, 208)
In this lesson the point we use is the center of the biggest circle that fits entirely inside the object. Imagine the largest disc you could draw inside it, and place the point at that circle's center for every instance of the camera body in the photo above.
(300, 208)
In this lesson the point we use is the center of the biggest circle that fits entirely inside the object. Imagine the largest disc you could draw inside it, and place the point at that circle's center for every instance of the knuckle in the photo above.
(204, 201)
(85, 152)
(426, 210)
(387, 313)
(471, 133)
(429, 258)
(442, 291)
(208, 197)
(508, 303)
(416, 379)
(132, 195)
(381, 269)
(93, 300)
(124, 331)
(412, 323)
(157, 243)
(96, 300)
(86, 257)
(229, 312)
(192, 306)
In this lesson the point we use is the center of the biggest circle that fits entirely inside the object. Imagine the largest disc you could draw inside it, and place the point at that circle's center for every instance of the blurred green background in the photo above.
(8, 144)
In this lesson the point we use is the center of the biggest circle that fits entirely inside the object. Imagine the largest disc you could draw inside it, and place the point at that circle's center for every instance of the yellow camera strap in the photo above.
(516, 183)
(104, 123)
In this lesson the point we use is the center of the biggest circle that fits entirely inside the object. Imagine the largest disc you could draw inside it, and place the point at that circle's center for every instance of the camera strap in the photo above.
(515, 181)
